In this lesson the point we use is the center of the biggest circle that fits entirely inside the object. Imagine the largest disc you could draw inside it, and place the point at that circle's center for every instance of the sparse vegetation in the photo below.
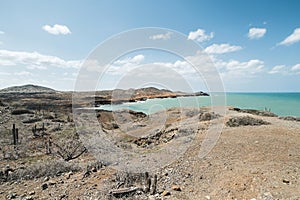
(245, 121)
(21, 112)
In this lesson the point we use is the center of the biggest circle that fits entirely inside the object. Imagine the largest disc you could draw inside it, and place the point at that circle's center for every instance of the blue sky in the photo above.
(254, 44)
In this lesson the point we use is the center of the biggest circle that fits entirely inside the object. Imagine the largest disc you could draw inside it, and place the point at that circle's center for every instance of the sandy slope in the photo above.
(249, 162)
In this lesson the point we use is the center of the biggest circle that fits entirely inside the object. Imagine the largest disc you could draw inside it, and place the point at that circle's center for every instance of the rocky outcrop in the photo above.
(118, 96)
(290, 118)
(255, 112)
(245, 121)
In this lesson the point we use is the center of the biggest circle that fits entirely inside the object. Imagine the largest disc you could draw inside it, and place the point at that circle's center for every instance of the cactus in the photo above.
(15, 133)
(154, 185)
(148, 182)
(34, 131)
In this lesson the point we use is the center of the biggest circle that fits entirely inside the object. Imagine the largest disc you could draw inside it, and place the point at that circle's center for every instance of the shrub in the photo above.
(21, 112)
(43, 169)
(245, 121)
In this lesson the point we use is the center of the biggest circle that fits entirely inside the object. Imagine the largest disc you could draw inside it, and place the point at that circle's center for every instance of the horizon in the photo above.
(225, 92)
(254, 45)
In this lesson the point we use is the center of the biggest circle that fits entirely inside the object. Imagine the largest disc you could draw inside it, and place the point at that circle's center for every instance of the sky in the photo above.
(253, 44)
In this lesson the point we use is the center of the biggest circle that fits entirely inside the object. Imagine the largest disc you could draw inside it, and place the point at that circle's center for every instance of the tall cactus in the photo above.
(15, 133)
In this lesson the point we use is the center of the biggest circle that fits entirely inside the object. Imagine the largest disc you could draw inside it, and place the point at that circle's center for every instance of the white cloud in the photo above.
(291, 39)
(35, 60)
(256, 33)
(122, 66)
(134, 60)
(57, 29)
(165, 36)
(2, 32)
(200, 35)
(277, 69)
(23, 73)
(221, 48)
(296, 67)
(238, 69)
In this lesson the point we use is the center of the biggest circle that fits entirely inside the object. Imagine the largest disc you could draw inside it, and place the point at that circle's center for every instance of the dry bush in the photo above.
(43, 169)
(69, 148)
(245, 121)
(21, 112)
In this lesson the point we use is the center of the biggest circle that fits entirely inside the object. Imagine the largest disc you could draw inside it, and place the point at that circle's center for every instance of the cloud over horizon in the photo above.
(35, 60)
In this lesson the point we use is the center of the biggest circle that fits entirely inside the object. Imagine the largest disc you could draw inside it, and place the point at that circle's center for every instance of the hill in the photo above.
(27, 89)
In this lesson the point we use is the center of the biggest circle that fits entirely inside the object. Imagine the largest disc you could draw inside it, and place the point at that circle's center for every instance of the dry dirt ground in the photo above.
(248, 162)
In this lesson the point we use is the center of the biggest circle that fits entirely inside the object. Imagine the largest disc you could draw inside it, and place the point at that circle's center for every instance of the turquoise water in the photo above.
(283, 104)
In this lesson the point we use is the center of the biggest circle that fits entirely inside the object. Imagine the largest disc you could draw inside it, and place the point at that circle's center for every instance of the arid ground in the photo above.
(257, 155)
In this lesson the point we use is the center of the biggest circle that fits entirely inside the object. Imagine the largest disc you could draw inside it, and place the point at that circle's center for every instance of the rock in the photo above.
(44, 186)
(166, 193)
(207, 197)
(27, 198)
(11, 195)
(285, 181)
(68, 175)
(290, 118)
(267, 196)
(51, 183)
(31, 192)
(255, 112)
(94, 169)
(46, 179)
(176, 188)
(208, 116)
(245, 121)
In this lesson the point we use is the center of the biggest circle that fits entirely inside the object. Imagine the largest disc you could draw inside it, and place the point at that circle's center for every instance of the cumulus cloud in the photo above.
(237, 68)
(125, 65)
(130, 60)
(57, 29)
(165, 36)
(200, 35)
(291, 39)
(296, 67)
(277, 69)
(222, 48)
(256, 33)
(35, 60)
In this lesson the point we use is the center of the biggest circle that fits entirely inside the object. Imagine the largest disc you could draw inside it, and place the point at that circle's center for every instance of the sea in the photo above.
(282, 104)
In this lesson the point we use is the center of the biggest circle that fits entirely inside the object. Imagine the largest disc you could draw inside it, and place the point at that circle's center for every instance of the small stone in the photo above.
(28, 198)
(46, 179)
(166, 193)
(285, 181)
(68, 175)
(31, 192)
(44, 186)
(176, 188)
(51, 183)
(12, 195)
(207, 197)
(267, 196)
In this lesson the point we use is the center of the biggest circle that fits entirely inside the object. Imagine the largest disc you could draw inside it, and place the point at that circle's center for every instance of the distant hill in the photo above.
(27, 89)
